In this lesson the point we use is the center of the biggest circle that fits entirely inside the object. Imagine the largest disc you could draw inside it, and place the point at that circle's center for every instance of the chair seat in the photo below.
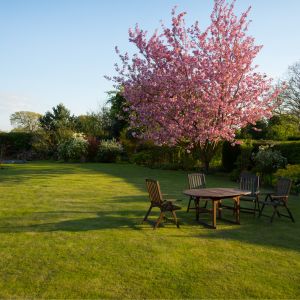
(248, 198)
(169, 206)
(272, 203)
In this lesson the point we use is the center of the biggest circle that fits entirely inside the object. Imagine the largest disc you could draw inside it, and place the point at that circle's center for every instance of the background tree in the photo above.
(59, 118)
(95, 124)
(57, 125)
(282, 127)
(25, 121)
(117, 113)
(193, 86)
(290, 96)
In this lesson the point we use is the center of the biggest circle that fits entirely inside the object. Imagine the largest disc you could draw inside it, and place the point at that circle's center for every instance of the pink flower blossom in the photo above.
(189, 85)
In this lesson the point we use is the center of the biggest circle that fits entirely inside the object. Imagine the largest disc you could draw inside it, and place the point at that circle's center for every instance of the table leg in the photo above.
(197, 200)
(219, 209)
(214, 213)
(237, 213)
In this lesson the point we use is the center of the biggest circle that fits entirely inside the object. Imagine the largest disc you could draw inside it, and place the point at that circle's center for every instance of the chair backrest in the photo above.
(249, 182)
(196, 181)
(283, 187)
(154, 192)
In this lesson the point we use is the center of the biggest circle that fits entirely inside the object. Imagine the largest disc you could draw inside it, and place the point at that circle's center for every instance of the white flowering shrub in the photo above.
(109, 151)
(73, 148)
(267, 160)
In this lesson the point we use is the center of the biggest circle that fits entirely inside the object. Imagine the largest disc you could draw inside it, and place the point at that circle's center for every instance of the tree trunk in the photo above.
(206, 166)
(207, 152)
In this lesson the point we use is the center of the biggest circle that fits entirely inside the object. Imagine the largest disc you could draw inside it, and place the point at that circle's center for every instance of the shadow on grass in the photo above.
(103, 220)
(133, 174)
(113, 219)
(23, 173)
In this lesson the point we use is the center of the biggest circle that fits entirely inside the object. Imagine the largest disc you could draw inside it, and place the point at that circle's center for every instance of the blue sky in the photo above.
(54, 51)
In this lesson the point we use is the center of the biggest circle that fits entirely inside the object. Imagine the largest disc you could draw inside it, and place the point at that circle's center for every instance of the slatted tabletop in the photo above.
(216, 193)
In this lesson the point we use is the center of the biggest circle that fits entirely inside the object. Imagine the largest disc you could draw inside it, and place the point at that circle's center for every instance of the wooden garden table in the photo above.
(216, 195)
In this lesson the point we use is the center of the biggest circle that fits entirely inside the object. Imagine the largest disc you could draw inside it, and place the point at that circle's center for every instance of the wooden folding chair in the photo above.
(157, 200)
(278, 199)
(250, 182)
(196, 181)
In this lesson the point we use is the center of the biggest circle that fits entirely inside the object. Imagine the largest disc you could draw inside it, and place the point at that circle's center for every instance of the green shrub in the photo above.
(291, 172)
(74, 148)
(171, 158)
(165, 157)
(109, 151)
(267, 161)
(234, 175)
(154, 157)
(92, 149)
(143, 158)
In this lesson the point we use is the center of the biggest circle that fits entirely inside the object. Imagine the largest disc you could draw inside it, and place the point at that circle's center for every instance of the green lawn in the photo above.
(74, 231)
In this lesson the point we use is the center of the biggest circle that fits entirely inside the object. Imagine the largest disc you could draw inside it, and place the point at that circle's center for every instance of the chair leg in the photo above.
(161, 216)
(197, 213)
(188, 208)
(234, 208)
(196, 203)
(278, 213)
(147, 214)
(257, 202)
(261, 210)
(175, 218)
(290, 214)
(274, 213)
(256, 207)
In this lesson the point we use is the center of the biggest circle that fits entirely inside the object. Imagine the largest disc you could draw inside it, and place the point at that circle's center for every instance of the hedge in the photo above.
(289, 149)
(14, 144)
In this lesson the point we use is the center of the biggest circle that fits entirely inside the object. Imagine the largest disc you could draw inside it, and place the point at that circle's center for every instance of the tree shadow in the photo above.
(103, 220)
(22, 173)
(117, 213)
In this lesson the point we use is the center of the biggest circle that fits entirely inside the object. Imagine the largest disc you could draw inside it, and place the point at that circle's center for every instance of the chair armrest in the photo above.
(172, 200)
(278, 197)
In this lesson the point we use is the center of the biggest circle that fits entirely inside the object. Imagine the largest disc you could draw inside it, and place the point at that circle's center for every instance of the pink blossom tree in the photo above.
(195, 87)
